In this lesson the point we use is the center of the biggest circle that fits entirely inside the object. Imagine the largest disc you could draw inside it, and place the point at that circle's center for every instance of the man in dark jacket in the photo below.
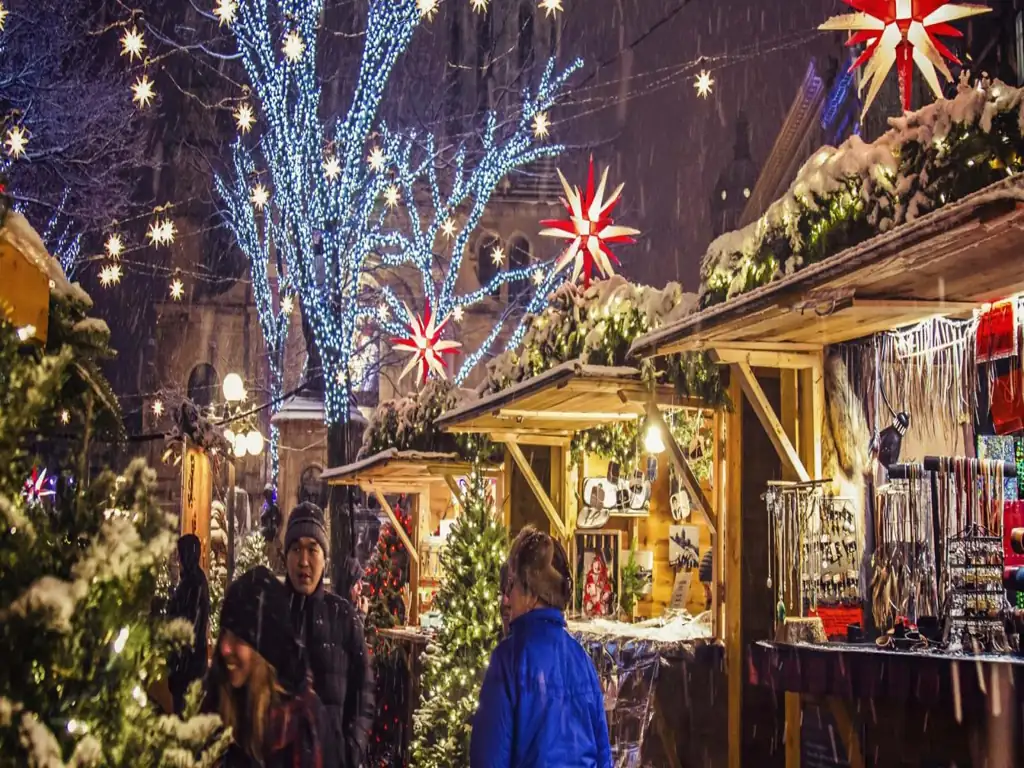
(332, 633)
(191, 602)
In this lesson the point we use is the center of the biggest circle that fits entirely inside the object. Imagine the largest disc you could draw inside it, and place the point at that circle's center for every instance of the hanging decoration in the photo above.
(38, 486)
(904, 33)
(425, 342)
(590, 228)
(998, 331)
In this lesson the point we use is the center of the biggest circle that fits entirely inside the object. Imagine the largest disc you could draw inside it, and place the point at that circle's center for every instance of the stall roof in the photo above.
(555, 404)
(948, 262)
(401, 470)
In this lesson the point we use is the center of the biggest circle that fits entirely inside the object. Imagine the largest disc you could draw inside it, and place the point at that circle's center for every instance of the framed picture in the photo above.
(598, 567)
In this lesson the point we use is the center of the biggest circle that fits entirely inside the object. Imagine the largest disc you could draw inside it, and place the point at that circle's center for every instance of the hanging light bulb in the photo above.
(254, 442)
(653, 441)
(240, 447)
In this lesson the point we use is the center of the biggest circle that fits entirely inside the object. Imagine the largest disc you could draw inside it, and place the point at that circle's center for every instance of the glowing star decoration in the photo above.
(478, 5)
(110, 275)
(498, 256)
(541, 125)
(115, 246)
(37, 487)
(458, 314)
(143, 91)
(177, 289)
(260, 197)
(332, 168)
(426, 345)
(590, 228)
(293, 47)
(391, 196)
(377, 159)
(65, 417)
(904, 33)
(703, 83)
(158, 408)
(427, 8)
(245, 119)
(225, 11)
(551, 7)
(448, 228)
(132, 44)
(538, 277)
(17, 140)
(4, 13)
(287, 304)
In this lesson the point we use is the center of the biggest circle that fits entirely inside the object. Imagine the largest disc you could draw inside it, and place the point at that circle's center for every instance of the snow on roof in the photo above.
(868, 174)
(390, 455)
(307, 408)
(23, 238)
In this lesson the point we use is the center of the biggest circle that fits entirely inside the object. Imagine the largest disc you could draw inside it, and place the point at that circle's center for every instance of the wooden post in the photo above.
(735, 653)
(557, 524)
(790, 407)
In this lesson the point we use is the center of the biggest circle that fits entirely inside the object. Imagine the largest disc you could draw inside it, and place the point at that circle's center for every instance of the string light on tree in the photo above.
(225, 11)
(110, 275)
(260, 197)
(551, 7)
(132, 44)
(245, 119)
(294, 46)
(902, 33)
(541, 125)
(143, 91)
(17, 141)
(177, 289)
(426, 345)
(590, 228)
(115, 246)
(703, 83)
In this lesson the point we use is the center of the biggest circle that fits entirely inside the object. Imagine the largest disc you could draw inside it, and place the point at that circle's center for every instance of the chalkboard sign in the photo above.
(821, 742)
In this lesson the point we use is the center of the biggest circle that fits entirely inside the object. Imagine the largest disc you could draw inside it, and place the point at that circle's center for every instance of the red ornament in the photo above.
(904, 33)
(590, 227)
(426, 344)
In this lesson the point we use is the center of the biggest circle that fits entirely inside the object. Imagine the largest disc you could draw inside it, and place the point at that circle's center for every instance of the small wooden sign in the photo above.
(197, 499)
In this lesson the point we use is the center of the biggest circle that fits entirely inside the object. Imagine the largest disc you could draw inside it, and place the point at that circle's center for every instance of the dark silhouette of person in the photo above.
(191, 602)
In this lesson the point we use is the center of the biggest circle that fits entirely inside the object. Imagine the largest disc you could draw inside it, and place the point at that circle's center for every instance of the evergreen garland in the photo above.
(454, 663)
(843, 197)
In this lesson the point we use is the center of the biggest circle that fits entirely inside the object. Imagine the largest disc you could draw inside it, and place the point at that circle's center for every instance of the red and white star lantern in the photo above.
(904, 33)
(426, 345)
(590, 228)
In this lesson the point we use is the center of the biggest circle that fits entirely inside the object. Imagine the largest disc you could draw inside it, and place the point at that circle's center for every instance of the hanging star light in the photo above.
(448, 228)
(590, 228)
(115, 246)
(478, 5)
(143, 90)
(538, 276)
(551, 7)
(383, 313)
(287, 304)
(498, 256)
(458, 314)
(904, 33)
(65, 417)
(158, 408)
(17, 140)
(377, 159)
(4, 13)
(427, 346)
(703, 83)
(541, 125)
(294, 46)
(161, 232)
(391, 196)
(110, 275)
(245, 119)
(177, 289)
(168, 231)
(225, 11)
(37, 487)
(332, 168)
(260, 197)
(132, 44)
(427, 8)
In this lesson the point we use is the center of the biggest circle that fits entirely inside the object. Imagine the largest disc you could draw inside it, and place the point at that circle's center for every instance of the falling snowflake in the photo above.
(590, 228)
(426, 345)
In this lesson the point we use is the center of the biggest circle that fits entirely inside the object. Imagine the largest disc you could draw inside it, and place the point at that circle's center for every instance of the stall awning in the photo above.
(401, 471)
(568, 398)
(948, 262)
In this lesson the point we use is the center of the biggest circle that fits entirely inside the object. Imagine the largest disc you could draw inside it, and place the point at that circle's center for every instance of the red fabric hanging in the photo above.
(1008, 404)
(997, 332)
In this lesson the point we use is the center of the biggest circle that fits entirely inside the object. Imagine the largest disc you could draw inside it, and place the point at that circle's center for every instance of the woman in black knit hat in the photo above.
(258, 682)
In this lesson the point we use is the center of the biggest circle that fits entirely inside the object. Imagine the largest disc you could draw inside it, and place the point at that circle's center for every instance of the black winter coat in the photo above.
(332, 632)
(191, 602)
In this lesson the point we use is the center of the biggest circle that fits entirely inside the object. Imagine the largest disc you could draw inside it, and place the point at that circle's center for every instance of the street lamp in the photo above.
(233, 388)
(250, 444)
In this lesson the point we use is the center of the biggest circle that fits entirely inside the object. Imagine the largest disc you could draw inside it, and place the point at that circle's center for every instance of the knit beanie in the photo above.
(256, 611)
(306, 522)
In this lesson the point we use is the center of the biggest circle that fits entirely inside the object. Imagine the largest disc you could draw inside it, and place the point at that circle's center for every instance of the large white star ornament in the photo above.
(17, 140)
(426, 345)
(115, 246)
(541, 125)
(551, 7)
(332, 168)
(904, 33)
(132, 44)
(260, 197)
(590, 228)
(376, 159)
(293, 47)
(225, 11)
(177, 289)
(245, 119)
(427, 8)
(143, 91)
(703, 83)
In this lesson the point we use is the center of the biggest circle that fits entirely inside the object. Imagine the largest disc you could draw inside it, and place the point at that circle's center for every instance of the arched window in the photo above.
(490, 256)
(203, 385)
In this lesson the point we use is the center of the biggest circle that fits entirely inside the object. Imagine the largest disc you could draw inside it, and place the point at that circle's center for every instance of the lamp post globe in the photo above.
(233, 388)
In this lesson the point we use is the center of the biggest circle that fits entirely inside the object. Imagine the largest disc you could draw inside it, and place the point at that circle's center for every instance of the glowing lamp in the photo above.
(233, 388)
(254, 442)
(653, 441)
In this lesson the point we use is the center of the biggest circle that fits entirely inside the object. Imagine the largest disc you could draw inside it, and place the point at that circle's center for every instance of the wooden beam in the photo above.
(538, 490)
(762, 346)
(759, 402)
(683, 467)
(453, 486)
(764, 359)
(591, 417)
(847, 731)
(735, 653)
(531, 439)
(397, 526)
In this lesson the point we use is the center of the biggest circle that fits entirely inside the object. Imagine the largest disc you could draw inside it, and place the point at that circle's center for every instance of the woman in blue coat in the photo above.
(541, 704)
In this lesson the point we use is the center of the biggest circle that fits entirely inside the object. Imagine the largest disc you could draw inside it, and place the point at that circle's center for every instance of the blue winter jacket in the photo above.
(541, 704)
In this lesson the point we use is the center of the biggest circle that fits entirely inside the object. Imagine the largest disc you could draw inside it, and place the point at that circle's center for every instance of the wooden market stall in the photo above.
(950, 263)
(537, 421)
(27, 274)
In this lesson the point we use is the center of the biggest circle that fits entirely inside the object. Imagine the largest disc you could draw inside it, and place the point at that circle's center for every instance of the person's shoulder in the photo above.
(338, 608)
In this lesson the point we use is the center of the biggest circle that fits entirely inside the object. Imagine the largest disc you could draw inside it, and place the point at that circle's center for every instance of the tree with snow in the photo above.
(80, 559)
(471, 625)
